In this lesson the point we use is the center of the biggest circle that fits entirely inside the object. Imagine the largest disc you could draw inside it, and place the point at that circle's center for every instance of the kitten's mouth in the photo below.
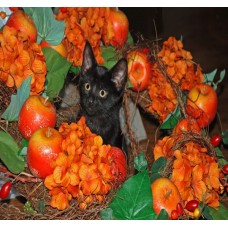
(90, 111)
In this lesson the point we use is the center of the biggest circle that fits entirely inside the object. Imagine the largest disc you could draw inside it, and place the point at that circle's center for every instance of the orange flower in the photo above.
(198, 184)
(20, 59)
(214, 175)
(163, 147)
(195, 173)
(84, 24)
(83, 170)
(60, 199)
(181, 70)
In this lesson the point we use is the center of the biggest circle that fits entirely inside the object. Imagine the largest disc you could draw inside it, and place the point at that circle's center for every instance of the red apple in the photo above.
(139, 69)
(43, 147)
(36, 112)
(24, 23)
(60, 48)
(201, 104)
(117, 28)
(118, 163)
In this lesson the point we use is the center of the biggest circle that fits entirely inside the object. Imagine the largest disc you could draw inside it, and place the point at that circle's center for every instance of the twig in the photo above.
(25, 178)
(175, 86)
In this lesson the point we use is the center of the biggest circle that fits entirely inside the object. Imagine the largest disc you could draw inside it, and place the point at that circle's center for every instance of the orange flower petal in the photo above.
(91, 187)
(214, 175)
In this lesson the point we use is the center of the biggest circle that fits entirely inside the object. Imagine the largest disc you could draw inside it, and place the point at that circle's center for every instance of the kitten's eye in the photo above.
(87, 86)
(103, 93)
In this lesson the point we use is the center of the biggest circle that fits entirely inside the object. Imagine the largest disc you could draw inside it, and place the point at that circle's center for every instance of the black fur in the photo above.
(101, 92)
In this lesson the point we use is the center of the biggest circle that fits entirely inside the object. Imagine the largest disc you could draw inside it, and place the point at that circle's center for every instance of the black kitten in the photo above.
(101, 92)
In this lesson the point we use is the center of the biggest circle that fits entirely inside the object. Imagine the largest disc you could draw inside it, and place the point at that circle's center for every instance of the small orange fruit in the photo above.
(165, 195)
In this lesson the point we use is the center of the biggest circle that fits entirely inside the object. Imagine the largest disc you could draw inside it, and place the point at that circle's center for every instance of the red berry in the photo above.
(192, 205)
(5, 190)
(216, 140)
(180, 209)
(174, 215)
(225, 169)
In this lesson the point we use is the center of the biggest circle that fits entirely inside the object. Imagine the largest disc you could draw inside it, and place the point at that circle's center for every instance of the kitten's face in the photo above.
(100, 89)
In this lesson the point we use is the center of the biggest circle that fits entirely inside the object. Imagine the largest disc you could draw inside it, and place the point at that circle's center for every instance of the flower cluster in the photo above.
(83, 23)
(83, 170)
(181, 70)
(20, 59)
(194, 172)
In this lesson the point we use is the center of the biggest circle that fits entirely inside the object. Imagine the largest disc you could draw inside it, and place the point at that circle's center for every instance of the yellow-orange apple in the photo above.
(165, 195)
(201, 104)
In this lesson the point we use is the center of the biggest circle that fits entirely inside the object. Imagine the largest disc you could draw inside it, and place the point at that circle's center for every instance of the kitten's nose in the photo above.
(91, 101)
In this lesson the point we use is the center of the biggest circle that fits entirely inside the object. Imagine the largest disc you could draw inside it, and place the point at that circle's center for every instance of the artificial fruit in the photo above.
(43, 148)
(36, 112)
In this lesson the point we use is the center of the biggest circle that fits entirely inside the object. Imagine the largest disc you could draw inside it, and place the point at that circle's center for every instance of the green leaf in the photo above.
(222, 76)
(163, 215)
(211, 213)
(75, 70)
(172, 119)
(58, 68)
(9, 153)
(106, 214)
(48, 27)
(129, 84)
(130, 39)
(24, 142)
(13, 110)
(134, 199)
(140, 162)
(109, 55)
(23, 151)
(158, 168)
(41, 206)
(225, 137)
(221, 159)
(209, 77)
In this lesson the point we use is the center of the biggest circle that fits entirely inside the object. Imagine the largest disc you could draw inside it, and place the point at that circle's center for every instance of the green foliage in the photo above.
(133, 200)
(163, 215)
(220, 157)
(225, 137)
(109, 55)
(48, 28)
(211, 213)
(9, 153)
(75, 69)
(210, 77)
(140, 162)
(29, 209)
(58, 68)
(172, 119)
(158, 168)
(130, 39)
(13, 110)
(106, 214)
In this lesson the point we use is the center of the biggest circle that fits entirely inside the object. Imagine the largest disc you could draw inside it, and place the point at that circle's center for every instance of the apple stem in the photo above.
(49, 132)
(46, 100)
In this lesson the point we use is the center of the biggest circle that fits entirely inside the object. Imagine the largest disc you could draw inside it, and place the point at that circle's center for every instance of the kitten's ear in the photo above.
(89, 60)
(119, 74)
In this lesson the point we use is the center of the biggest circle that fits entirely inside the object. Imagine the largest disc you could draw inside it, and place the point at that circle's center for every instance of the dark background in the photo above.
(205, 34)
